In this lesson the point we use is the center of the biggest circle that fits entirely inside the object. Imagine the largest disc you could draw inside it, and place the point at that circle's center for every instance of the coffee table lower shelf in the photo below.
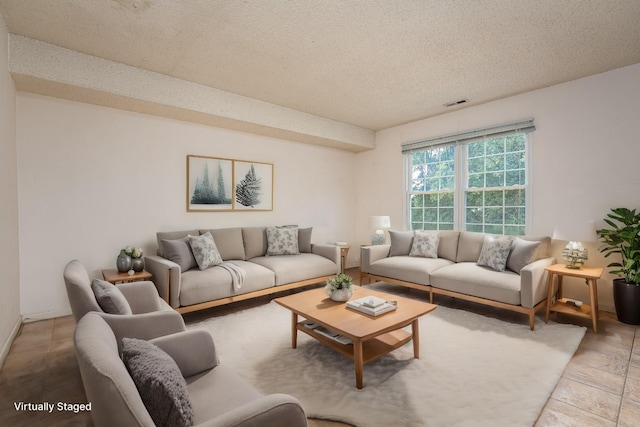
(371, 349)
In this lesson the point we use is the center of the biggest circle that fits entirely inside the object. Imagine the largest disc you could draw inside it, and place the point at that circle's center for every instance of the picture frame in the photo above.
(216, 184)
(253, 186)
(210, 186)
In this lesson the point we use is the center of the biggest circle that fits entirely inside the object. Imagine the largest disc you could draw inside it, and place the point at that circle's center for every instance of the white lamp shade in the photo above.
(380, 222)
(578, 232)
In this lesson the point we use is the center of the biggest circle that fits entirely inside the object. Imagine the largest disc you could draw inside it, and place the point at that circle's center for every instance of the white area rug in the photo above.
(473, 370)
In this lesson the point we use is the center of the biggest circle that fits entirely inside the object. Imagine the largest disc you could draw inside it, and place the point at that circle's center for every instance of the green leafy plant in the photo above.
(340, 281)
(623, 237)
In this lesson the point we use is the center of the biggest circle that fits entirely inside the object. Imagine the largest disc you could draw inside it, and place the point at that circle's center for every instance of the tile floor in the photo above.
(600, 386)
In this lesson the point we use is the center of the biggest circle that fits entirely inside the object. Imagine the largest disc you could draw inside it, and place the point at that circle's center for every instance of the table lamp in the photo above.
(379, 224)
(574, 252)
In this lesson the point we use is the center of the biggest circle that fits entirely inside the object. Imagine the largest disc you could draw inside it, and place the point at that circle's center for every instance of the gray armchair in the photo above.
(218, 396)
(151, 316)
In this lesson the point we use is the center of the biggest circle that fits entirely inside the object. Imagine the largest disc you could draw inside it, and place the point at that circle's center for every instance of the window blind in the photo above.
(521, 126)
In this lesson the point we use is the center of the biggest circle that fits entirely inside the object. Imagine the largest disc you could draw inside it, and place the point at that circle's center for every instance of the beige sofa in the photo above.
(189, 289)
(455, 272)
(217, 396)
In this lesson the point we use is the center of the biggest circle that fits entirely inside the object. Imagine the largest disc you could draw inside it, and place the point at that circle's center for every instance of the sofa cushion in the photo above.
(159, 382)
(544, 250)
(425, 244)
(179, 251)
(522, 253)
(401, 242)
(495, 251)
(214, 283)
(282, 241)
(255, 241)
(172, 235)
(448, 244)
(229, 242)
(471, 279)
(109, 297)
(304, 240)
(289, 269)
(407, 268)
(469, 246)
(205, 251)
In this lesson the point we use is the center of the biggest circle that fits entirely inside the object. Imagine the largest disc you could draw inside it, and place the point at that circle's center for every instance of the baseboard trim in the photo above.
(7, 344)
(45, 316)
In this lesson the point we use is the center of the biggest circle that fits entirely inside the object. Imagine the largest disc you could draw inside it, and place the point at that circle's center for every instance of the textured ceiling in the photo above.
(370, 63)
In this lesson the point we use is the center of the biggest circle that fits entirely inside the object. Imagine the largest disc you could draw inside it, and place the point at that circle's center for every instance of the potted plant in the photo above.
(339, 287)
(623, 238)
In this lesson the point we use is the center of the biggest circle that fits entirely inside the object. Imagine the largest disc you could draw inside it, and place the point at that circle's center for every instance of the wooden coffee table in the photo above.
(371, 337)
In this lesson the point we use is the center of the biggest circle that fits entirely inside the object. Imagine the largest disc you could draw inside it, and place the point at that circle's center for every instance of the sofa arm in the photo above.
(193, 351)
(371, 254)
(274, 410)
(144, 326)
(141, 296)
(166, 277)
(533, 282)
(330, 252)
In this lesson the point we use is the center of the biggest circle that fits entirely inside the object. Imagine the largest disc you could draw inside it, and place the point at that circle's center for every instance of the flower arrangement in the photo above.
(340, 281)
(575, 253)
(133, 252)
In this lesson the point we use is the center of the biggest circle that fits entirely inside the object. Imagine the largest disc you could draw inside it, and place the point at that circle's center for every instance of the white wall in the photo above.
(9, 258)
(585, 156)
(93, 180)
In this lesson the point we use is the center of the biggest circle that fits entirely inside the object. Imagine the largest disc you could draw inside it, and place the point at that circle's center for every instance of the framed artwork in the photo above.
(217, 185)
(253, 184)
(209, 184)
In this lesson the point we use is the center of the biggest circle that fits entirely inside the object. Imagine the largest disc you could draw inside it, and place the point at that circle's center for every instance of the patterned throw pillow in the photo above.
(282, 241)
(495, 251)
(425, 244)
(157, 377)
(205, 250)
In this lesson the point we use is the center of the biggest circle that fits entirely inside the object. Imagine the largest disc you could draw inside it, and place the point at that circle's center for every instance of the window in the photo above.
(493, 173)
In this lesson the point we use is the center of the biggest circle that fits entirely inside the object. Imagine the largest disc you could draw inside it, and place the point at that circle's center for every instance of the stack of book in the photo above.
(373, 306)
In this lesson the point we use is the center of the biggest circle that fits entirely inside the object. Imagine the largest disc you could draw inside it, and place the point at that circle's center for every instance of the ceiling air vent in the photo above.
(458, 102)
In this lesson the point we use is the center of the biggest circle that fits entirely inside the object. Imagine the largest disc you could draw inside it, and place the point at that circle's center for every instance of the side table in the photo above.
(112, 275)
(567, 306)
(344, 250)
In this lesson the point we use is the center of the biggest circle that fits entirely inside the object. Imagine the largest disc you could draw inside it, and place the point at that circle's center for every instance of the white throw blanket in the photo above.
(237, 274)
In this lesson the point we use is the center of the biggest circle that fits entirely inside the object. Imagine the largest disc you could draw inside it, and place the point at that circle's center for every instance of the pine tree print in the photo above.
(203, 193)
(248, 190)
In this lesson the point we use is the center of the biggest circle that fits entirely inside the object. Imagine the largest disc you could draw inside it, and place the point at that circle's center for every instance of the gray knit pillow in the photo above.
(158, 379)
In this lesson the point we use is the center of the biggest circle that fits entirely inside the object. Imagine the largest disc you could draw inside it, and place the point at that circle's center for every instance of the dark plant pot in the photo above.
(627, 300)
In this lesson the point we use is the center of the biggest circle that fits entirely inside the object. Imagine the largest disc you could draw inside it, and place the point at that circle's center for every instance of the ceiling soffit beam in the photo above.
(50, 70)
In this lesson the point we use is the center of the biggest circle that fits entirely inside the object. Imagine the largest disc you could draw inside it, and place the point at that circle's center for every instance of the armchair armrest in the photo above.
(166, 277)
(144, 326)
(533, 282)
(193, 351)
(371, 254)
(274, 410)
(331, 252)
(141, 296)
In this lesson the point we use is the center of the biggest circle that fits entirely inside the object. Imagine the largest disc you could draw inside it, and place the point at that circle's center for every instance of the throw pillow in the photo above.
(304, 239)
(401, 242)
(205, 250)
(425, 244)
(522, 253)
(282, 241)
(495, 251)
(157, 377)
(109, 297)
(179, 251)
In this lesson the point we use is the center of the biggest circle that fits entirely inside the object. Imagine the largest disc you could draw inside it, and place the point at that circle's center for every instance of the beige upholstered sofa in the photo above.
(520, 287)
(216, 395)
(188, 288)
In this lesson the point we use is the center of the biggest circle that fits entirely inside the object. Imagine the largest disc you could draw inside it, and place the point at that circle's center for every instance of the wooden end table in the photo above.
(567, 306)
(371, 337)
(344, 250)
(112, 275)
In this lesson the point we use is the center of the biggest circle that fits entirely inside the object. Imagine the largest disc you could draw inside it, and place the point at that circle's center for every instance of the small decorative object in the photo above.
(137, 262)
(575, 254)
(131, 272)
(339, 287)
(123, 262)
(379, 224)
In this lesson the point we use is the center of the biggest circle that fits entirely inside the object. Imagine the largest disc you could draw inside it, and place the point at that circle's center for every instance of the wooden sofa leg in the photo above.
(532, 319)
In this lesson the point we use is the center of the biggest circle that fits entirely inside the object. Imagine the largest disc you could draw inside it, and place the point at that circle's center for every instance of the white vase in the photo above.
(341, 295)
